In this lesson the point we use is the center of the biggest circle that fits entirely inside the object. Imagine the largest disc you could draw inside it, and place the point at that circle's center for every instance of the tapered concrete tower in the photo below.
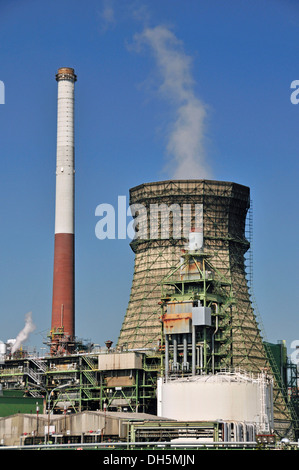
(63, 309)
(225, 205)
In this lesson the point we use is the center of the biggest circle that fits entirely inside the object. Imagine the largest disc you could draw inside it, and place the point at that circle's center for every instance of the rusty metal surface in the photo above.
(177, 323)
(66, 71)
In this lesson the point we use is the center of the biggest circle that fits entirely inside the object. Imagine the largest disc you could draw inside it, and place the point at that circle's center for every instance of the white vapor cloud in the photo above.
(186, 135)
(107, 15)
(24, 333)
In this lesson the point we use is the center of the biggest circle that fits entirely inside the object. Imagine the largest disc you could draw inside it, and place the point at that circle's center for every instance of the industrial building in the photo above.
(190, 362)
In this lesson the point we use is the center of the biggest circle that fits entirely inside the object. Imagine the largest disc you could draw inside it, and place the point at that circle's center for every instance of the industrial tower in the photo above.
(63, 314)
(158, 257)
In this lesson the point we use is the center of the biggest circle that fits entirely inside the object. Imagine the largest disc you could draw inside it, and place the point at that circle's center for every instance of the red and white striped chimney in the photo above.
(63, 308)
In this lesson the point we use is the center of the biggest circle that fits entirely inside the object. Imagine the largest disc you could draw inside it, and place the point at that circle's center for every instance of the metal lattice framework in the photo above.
(225, 206)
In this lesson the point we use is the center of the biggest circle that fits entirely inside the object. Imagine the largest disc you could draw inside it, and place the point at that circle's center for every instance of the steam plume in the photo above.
(25, 332)
(185, 139)
(107, 16)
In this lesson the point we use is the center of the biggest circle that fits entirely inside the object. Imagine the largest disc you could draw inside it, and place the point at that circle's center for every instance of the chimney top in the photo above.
(66, 73)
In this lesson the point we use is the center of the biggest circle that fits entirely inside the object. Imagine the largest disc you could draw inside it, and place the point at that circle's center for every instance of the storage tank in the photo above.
(230, 397)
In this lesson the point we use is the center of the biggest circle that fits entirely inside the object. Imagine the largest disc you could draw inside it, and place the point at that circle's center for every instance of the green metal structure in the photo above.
(217, 281)
(196, 282)
(76, 383)
(14, 401)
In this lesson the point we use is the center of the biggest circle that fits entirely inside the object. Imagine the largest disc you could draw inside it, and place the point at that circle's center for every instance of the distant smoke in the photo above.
(24, 333)
(106, 16)
(186, 135)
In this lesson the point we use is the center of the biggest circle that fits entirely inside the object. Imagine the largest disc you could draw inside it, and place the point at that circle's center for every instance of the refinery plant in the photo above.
(190, 365)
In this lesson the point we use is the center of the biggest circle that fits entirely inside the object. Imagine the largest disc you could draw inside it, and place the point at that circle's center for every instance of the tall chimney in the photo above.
(63, 312)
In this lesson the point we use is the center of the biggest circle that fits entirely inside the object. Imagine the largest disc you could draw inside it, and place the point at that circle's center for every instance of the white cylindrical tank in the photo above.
(227, 397)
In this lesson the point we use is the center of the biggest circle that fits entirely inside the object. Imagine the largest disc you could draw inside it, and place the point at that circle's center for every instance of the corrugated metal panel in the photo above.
(179, 307)
(177, 323)
(201, 316)
(120, 361)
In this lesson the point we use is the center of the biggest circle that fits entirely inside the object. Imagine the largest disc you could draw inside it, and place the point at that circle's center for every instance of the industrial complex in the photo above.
(191, 367)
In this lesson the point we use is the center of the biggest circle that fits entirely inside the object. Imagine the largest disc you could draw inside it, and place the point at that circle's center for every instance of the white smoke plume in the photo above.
(106, 16)
(185, 140)
(24, 333)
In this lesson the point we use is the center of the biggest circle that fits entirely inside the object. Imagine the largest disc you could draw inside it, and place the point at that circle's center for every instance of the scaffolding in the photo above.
(195, 312)
(76, 383)
(225, 208)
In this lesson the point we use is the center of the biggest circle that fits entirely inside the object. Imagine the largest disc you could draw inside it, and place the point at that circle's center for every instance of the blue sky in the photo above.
(234, 61)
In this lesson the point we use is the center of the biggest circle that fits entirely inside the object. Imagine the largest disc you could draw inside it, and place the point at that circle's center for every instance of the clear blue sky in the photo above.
(234, 60)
